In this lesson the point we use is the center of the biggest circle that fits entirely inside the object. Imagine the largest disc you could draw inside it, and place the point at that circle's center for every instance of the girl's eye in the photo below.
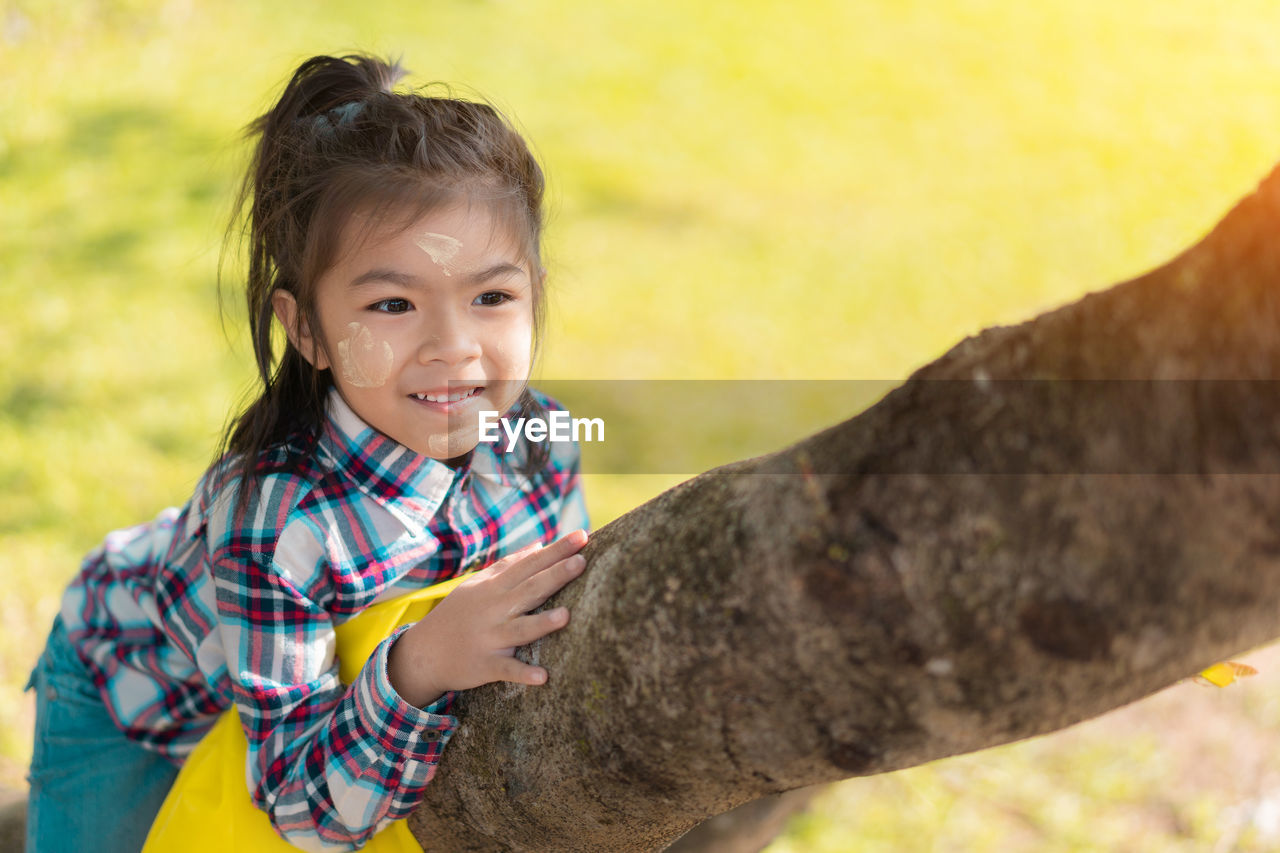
(391, 306)
(492, 297)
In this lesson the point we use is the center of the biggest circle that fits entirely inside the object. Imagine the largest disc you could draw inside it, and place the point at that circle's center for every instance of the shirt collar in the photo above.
(409, 485)
(499, 468)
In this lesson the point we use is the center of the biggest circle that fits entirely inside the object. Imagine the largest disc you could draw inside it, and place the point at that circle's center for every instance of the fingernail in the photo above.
(539, 677)
(576, 562)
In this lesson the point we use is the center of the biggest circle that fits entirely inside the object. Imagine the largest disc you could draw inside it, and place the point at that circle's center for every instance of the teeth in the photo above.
(449, 398)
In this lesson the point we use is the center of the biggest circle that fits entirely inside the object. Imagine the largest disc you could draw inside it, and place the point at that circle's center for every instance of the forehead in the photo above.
(464, 228)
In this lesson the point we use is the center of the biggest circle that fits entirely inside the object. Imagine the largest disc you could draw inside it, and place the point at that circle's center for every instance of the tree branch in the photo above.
(1009, 543)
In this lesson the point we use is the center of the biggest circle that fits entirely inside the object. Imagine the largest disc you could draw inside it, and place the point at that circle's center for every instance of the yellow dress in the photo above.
(208, 810)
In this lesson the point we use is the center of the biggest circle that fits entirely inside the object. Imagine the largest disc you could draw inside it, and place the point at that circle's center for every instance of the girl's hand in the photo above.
(470, 637)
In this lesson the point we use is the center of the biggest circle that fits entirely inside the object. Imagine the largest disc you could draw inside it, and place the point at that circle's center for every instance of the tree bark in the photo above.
(1011, 542)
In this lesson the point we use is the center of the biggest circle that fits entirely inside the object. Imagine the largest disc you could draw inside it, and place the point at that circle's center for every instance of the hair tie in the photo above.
(346, 113)
(325, 123)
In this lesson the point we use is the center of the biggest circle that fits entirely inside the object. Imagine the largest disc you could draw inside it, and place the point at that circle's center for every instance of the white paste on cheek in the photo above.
(441, 247)
(366, 363)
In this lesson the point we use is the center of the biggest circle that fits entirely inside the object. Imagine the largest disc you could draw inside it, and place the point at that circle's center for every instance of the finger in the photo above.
(526, 629)
(514, 557)
(529, 566)
(537, 589)
(510, 669)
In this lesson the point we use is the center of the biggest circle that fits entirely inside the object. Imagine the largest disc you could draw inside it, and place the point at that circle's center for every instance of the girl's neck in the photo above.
(458, 461)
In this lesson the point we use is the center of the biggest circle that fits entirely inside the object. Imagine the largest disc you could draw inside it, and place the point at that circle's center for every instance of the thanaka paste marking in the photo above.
(366, 363)
(438, 445)
(441, 247)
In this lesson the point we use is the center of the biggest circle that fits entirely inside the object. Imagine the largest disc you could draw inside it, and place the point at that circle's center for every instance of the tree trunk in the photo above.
(991, 552)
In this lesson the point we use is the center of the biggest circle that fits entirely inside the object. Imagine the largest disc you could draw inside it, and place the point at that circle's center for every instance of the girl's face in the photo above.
(424, 327)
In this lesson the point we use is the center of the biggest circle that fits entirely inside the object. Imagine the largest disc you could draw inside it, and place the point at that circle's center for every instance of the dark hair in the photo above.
(337, 141)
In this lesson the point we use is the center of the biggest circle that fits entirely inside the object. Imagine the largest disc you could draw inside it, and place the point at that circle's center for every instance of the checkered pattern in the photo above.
(179, 618)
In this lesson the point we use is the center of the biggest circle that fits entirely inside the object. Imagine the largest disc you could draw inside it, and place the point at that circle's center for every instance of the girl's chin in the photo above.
(452, 445)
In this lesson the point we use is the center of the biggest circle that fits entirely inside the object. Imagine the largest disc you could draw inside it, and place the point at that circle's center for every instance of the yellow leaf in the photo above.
(1222, 674)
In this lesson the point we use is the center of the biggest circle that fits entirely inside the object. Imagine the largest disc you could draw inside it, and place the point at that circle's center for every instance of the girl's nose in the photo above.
(448, 340)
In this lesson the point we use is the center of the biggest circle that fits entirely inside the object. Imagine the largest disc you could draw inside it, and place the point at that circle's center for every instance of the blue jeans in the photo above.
(92, 788)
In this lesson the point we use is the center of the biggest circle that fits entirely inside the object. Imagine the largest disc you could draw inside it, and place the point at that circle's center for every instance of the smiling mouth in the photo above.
(449, 397)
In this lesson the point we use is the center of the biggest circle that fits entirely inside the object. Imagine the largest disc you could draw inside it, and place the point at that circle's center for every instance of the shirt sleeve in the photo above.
(570, 506)
(330, 764)
(573, 505)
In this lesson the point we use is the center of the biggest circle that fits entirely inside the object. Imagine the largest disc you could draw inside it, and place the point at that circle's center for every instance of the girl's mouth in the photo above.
(447, 401)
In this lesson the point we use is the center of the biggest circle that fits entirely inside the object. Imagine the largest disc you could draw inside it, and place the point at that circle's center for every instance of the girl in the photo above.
(396, 238)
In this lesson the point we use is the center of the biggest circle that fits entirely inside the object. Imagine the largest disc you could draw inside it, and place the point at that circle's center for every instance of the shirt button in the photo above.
(432, 735)
(51, 694)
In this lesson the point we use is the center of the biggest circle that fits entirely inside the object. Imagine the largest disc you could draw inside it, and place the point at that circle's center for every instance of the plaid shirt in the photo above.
(181, 617)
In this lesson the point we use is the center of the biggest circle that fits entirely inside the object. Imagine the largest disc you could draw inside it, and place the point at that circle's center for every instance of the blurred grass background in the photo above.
(763, 190)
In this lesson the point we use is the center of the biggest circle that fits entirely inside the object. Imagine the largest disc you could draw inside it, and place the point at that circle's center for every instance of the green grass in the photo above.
(756, 190)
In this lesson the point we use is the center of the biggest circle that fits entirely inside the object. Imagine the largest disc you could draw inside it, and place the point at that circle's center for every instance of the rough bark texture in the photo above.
(767, 625)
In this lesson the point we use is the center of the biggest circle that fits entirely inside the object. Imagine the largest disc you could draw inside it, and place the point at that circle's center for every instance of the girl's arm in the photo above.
(331, 764)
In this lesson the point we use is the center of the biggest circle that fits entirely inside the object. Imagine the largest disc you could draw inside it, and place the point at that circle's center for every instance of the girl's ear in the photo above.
(286, 309)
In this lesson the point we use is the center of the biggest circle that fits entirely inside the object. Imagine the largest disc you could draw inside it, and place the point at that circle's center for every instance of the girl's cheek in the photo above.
(515, 349)
(365, 361)
(514, 356)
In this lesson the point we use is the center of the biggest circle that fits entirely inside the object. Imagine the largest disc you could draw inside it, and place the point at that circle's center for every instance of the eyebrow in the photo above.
(480, 277)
